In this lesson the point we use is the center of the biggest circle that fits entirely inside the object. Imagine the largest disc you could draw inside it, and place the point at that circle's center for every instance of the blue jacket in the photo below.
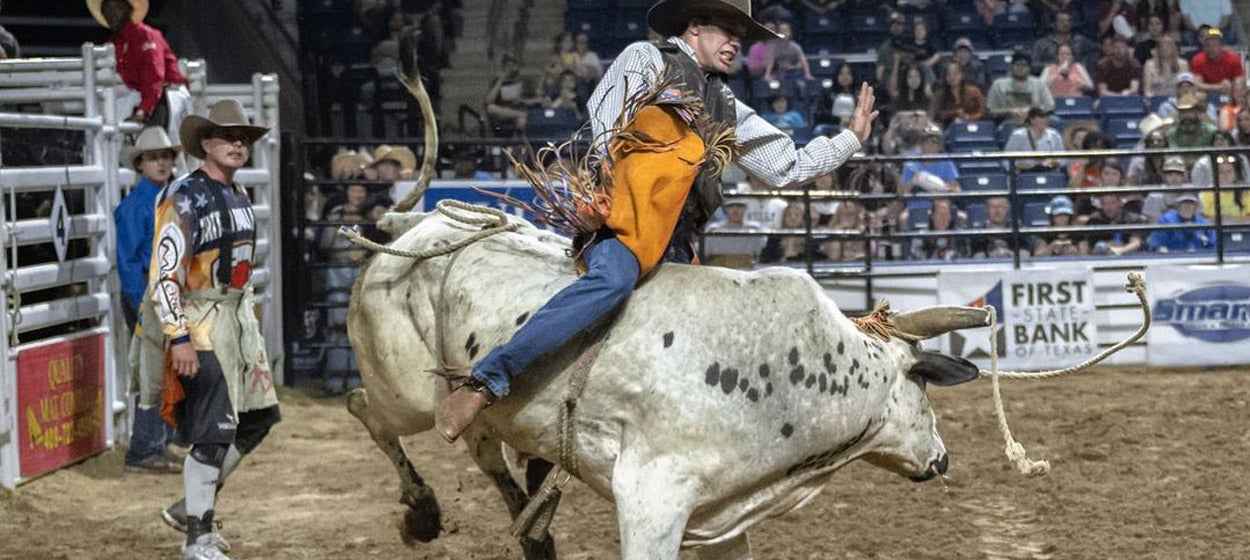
(1188, 240)
(136, 222)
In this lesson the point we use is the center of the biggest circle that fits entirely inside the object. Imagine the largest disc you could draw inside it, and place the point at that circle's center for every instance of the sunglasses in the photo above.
(231, 135)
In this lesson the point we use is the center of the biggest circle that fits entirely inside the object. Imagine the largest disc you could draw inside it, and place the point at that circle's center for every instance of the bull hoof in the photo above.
(423, 520)
(544, 549)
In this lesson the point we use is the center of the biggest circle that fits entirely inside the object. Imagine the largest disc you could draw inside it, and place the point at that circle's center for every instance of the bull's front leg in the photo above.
(423, 520)
(487, 452)
(653, 502)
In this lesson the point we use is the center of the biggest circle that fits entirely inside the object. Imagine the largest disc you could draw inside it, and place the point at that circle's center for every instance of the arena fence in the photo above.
(65, 393)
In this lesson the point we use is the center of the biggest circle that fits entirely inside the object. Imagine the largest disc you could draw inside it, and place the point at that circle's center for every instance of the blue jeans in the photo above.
(149, 436)
(612, 273)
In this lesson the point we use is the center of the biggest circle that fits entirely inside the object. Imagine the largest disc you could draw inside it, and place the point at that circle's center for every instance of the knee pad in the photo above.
(254, 425)
(211, 454)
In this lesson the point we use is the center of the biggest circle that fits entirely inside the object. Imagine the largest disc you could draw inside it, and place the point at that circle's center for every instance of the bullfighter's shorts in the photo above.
(206, 415)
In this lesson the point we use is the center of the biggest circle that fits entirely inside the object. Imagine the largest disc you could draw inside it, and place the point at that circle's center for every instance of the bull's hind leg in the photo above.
(423, 520)
(488, 453)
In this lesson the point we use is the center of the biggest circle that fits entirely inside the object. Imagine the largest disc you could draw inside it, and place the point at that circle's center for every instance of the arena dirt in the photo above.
(1146, 465)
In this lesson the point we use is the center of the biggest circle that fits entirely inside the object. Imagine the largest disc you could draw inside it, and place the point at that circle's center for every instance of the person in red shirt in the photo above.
(1215, 66)
(144, 61)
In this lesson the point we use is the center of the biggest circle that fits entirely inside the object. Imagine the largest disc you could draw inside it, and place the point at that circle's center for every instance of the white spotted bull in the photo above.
(717, 398)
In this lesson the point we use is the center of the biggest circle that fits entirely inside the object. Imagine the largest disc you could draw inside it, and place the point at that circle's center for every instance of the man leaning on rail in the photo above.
(679, 185)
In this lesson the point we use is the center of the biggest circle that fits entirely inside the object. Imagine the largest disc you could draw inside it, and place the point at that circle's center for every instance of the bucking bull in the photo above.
(713, 400)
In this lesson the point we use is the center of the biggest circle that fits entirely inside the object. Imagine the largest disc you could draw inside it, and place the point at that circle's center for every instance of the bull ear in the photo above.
(944, 371)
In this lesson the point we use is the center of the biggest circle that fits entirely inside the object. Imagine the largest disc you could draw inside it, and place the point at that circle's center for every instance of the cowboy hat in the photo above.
(670, 17)
(399, 154)
(152, 139)
(223, 114)
(349, 165)
(138, 11)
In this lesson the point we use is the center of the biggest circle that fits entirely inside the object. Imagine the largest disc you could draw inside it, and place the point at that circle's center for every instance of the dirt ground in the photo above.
(1145, 465)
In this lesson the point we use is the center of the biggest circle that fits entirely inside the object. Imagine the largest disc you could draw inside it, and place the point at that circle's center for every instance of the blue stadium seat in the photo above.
(1040, 181)
(761, 90)
(551, 124)
(976, 167)
(742, 91)
(983, 182)
(1123, 131)
(966, 23)
(1153, 103)
(630, 29)
(587, 5)
(1034, 215)
(997, 66)
(595, 23)
(1122, 105)
(978, 214)
(1237, 241)
(870, 22)
(827, 23)
(1014, 30)
(970, 132)
(1075, 108)
(825, 66)
(918, 215)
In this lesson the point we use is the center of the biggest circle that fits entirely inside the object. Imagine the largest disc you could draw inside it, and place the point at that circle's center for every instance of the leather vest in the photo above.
(719, 103)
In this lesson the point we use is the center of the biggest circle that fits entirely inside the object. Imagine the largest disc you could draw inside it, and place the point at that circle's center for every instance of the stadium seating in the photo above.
(1075, 109)
(1123, 131)
(551, 124)
(1121, 106)
(978, 214)
(1041, 181)
(984, 182)
(1034, 215)
(970, 133)
(1014, 30)
(826, 67)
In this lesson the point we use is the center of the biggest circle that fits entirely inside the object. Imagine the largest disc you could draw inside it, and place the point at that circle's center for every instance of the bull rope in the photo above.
(1014, 450)
(495, 219)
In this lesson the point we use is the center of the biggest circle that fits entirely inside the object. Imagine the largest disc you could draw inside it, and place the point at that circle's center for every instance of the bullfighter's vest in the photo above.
(719, 103)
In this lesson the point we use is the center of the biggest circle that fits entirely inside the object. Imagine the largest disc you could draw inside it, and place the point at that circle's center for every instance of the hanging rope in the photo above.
(495, 220)
(1014, 450)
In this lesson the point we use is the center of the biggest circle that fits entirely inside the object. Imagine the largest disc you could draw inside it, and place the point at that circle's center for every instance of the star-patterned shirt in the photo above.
(185, 249)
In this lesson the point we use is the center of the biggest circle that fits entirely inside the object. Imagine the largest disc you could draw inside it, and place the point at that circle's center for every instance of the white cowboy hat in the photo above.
(138, 11)
(670, 17)
(152, 139)
(399, 154)
(349, 165)
(223, 114)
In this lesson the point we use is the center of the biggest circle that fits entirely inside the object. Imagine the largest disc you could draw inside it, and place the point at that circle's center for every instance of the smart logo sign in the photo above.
(1219, 313)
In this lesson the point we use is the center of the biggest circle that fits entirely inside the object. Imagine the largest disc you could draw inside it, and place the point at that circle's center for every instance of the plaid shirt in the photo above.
(765, 152)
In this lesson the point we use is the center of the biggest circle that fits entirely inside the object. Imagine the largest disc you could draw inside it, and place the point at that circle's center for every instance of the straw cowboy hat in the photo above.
(152, 139)
(138, 11)
(223, 114)
(670, 17)
(349, 165)
(399, 154)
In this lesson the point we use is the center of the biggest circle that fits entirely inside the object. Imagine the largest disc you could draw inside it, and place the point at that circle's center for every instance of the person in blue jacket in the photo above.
(152, 157)
(1186, 212)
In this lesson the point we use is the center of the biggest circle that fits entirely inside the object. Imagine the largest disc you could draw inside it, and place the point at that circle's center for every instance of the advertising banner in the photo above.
(466, 191)
(60, 404)
(1045, 317)
(1200, 315)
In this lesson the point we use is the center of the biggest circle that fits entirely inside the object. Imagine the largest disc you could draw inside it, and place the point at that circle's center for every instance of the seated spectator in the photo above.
(767, 212)
(1114, 19)
(890, 53)
(882, 215)
(1035, 136)
(1112, 213)
(733, 251)
(1113, 176)
(1227, 120)
(1160, 75)
(989, 9)
(568, 95)
(1214, 66)
(997, 217)
(393, 163)
(903, 135)
(957, 99)
(760, 55)
(1087, 172)
(974, 69)
(1234, 197)
(1175, 174)
(850, 215)
(909, 89)
(1065, 76)
(1118, 72)
(1146, 43)
(782, 116)
(1172, 241)
(506, 102)
(589, 68)
(943, 217)
(1060, 212)
(788, 62)
(375, 207)
(931, 176)
(823, 7)
(1012, 96)
(1191, 130)
(1186, 87)
(1148, 170)
(1074, 136)
(1201, 174)
(1046, 49)
(1165, 14)
(349, 165)
(1197, 15)
(922, 50)
(790, 248)
(1241, 132)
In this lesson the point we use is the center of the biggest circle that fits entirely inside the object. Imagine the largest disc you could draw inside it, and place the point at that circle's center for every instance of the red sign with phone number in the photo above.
(60, 401)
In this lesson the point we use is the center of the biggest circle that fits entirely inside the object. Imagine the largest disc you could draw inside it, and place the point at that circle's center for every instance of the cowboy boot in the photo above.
(458, 410)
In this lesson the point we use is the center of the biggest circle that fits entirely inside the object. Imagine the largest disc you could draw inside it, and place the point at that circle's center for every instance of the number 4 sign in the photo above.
(60, 224)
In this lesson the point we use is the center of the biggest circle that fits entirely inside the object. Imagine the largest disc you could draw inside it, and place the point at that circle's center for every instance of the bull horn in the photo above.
(936, 321)
(417, 89)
